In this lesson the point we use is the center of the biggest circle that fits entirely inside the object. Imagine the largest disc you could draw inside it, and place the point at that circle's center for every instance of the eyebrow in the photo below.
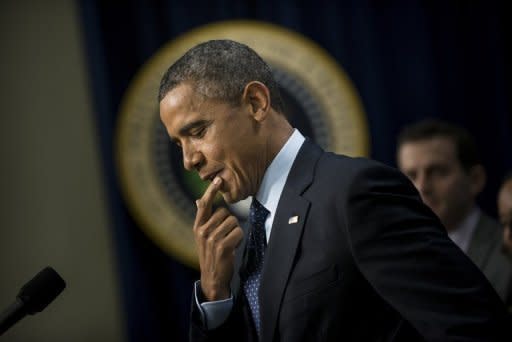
(190, 126)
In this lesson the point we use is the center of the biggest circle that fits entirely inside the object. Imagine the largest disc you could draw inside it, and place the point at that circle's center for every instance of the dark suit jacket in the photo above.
(485, 249)
(366, 261)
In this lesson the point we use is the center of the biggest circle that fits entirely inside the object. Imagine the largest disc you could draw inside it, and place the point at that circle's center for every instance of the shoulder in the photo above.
(338, 175)
(489, 224)
(488, 232)
(356, 172)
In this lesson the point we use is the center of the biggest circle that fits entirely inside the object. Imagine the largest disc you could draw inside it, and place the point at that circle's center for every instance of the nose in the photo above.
(192, 158)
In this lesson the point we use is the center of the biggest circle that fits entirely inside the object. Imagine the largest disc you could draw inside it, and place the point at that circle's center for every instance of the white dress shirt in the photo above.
(216, 312)
(463, 233)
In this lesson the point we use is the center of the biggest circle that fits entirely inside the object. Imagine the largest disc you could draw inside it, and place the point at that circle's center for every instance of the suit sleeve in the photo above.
(405, 254)
(233, 329)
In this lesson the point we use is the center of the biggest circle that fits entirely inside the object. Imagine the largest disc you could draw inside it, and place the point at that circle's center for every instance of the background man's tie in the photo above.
(256, 249)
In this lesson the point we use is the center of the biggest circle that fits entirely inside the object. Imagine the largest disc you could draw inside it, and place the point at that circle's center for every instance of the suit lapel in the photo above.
(481, 243)
(285, 237)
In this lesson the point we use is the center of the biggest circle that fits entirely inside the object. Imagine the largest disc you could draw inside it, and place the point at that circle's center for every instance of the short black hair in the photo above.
(220, 69)
(507, 178)
(465, 145)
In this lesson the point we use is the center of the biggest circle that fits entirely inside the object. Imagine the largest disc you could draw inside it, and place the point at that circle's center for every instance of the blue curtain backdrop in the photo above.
(408, 60)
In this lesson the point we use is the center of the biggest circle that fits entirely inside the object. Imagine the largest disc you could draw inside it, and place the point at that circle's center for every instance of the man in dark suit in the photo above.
(443, 162)
(337, 249)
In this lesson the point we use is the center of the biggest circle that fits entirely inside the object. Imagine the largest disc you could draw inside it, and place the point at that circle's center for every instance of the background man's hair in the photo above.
(220, 69)
(507, 178)
(465, 146)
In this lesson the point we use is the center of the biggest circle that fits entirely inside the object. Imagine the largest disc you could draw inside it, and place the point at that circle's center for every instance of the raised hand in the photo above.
(217, 234)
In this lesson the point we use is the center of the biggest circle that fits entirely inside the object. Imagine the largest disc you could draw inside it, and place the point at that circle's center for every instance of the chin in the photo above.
(232, 198)
(228, 198)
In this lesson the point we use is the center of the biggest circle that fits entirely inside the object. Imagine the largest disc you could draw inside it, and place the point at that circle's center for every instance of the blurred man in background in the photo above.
(443, 163)
(505, 213)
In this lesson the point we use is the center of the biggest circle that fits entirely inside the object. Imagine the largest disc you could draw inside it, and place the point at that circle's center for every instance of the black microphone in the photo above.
(33, 297)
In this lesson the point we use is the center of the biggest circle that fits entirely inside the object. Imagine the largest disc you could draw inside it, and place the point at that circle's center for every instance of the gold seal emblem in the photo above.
(319, 99)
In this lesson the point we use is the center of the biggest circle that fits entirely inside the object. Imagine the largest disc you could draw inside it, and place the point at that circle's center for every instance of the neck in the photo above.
(455, 222)
(279, 133)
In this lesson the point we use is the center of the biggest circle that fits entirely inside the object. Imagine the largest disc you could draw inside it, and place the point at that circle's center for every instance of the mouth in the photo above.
(209, 176)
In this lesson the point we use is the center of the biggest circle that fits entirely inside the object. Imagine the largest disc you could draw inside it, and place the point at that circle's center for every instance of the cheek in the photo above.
(456, 196)
(213, 153)
(453, 186)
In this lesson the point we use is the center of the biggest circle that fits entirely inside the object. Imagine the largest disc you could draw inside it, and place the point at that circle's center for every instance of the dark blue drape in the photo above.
(408, 59)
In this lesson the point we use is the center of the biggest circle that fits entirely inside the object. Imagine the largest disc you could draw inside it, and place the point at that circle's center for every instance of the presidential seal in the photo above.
(319, 100)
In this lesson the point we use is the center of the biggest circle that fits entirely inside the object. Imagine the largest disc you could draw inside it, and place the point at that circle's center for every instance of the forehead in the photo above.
(505, 195)
(181, 98)
(180, 106)
(439, 150)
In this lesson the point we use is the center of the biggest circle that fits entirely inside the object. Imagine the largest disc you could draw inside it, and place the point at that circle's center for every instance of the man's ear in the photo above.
(256, 97)
(477, 177)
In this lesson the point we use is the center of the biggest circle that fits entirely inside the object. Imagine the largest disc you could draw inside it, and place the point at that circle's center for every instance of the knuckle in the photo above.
(210, 240)
(201, 233)
(232, 220)
(217, 212)
(220, 249)
(239, 233)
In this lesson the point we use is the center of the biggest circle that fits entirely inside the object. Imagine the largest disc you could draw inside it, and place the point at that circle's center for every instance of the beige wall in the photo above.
(52, 203)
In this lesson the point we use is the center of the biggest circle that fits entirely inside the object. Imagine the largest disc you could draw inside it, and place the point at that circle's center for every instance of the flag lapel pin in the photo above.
(293, 219)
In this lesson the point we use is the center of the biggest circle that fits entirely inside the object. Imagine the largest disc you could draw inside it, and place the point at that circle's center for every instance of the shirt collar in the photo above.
(462, 234)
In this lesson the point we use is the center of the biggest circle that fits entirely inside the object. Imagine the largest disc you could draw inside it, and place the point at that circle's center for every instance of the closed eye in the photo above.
(195, 129)
(198, 132)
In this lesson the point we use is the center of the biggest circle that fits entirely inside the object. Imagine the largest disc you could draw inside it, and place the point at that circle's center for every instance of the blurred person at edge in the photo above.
(505, 213)
(442, 161)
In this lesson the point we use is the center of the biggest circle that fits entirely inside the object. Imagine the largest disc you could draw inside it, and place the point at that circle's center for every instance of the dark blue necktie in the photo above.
(256, 250)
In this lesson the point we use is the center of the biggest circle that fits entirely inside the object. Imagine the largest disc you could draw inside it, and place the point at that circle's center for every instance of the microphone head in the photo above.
(41, 290)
